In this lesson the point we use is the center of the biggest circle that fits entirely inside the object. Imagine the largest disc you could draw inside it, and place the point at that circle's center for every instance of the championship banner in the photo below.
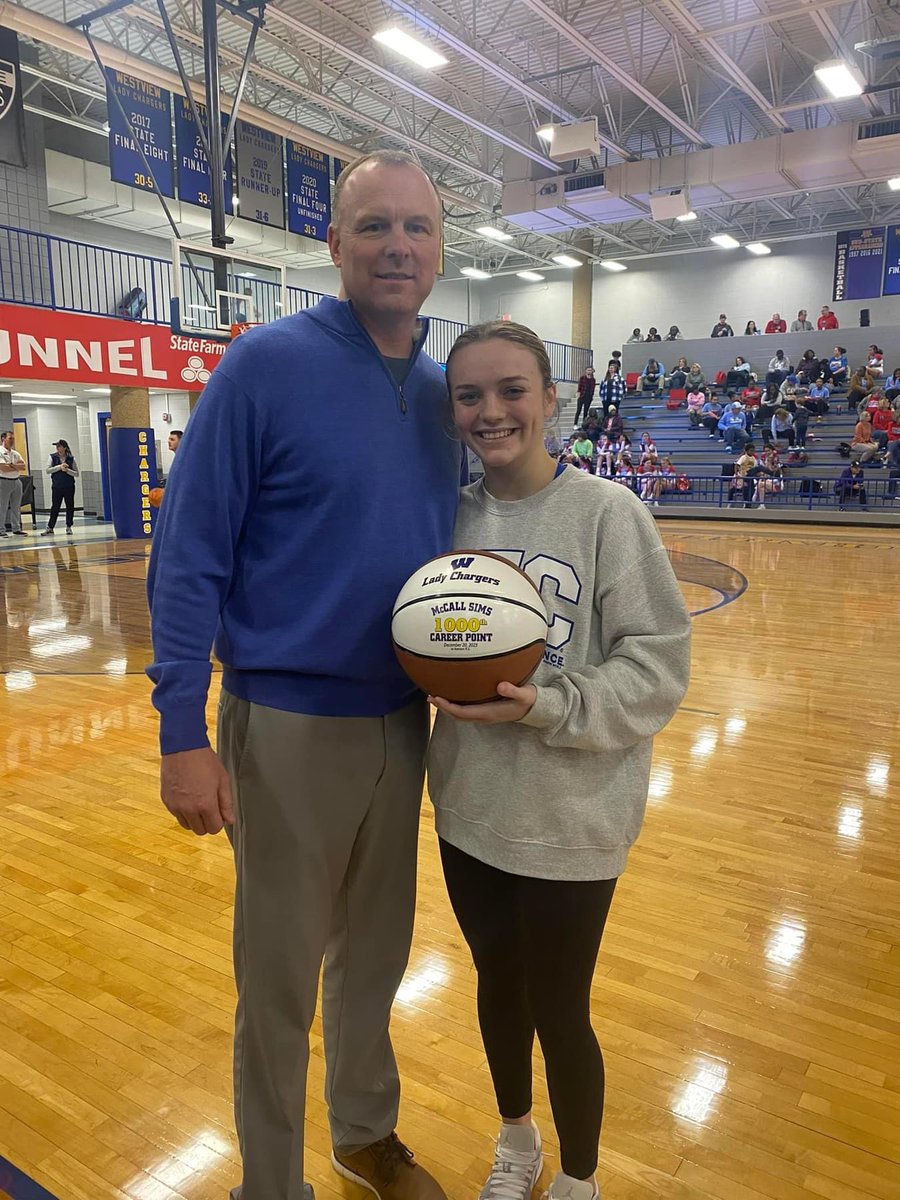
(12, 112)
(308, 192)
(132, 475)
(260, 170)
(192, 163)
(38, 343)
(149, 109)
(337, 166)
(892, 262)
(858, 258)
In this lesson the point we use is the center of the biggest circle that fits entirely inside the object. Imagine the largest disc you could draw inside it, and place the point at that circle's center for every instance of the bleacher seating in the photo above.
(702, 459)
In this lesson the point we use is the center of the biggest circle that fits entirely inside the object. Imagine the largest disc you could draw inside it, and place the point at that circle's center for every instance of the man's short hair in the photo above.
(6, 433)
(382, 158)
(177, 433)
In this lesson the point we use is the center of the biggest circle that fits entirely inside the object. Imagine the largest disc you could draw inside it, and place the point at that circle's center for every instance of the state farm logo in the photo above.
(195, 371)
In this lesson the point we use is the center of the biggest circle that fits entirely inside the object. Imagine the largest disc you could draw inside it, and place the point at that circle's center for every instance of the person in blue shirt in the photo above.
(732, 428)
(709, 416)
(817, 398)
(292, 568)
(850, 485)
(838, 366)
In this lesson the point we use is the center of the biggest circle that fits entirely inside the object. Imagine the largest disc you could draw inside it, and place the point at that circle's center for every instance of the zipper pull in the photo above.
(402, 400)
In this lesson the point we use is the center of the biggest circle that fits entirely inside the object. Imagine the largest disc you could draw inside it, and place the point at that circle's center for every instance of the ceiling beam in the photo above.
(418, 14)
(396, 81)
(615, 69)
(741, 80)
(770, 18)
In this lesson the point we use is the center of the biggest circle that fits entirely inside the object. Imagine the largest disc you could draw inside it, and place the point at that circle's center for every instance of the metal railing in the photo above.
(879, 492)
(45, 271)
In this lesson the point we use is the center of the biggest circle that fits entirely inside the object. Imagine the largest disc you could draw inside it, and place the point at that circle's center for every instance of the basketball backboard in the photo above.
(215, 291)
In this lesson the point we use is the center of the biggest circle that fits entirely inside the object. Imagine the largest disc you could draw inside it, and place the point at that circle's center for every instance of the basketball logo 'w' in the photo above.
(458, 563)
(7, 87)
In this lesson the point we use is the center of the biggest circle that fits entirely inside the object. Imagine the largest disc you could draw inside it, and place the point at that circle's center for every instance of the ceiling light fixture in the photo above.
(531, 276)
(894, 184)
(496, 235)
(546, 133)
(758, 248)
(688, 216)
(609, 264)
(410, 47)
(566, 260)
(474, 272)
(43, 396)
(725, 241)
(840, 79)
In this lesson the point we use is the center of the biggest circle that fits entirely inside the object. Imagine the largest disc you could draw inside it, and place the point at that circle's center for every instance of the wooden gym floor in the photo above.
(748, 990)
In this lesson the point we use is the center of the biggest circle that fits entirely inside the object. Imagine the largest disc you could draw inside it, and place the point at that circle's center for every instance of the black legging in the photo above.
(584, 404)
(534, 943)
(60, 496)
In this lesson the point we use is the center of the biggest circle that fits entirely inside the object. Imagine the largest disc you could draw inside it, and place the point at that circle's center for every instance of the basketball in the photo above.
(466, 622)
(156, 496)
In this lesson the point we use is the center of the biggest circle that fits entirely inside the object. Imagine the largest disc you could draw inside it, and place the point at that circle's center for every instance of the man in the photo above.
(851, 485)
(12, 468)
(295, 567)
(776, 324)
(175, 439)
(827, 319)
(586, 386)
(802, 324)
(722, 328)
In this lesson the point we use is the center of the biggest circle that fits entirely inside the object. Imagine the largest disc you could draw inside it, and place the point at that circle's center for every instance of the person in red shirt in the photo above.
(776, 325)
(882, 420)
(827, 320)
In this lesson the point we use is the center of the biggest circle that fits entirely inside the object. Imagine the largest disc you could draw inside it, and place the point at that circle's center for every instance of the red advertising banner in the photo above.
(38, 343)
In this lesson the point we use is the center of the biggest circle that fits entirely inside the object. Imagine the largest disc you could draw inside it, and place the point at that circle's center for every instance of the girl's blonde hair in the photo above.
(506, 331)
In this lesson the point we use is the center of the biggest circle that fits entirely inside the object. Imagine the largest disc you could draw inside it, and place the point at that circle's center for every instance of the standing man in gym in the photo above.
(293, 569)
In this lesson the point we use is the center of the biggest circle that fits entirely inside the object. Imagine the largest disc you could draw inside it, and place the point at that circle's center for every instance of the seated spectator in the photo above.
(722, 328)
(583, 449)
(851, 486)
(782, 426)
(552, 445)
(751, 396)
(608, 452)
(739, 375)
(875, 365)
(678, 378)
(653, 334)
(808, 368)
(647, 447)
(674, 334)
(624, 472)
(892, 386)
(802, 323)
(857, 390)
(695, 380)
(592, 429)
(882, 420)
(695, 402)
(612, 389)
(653, 376)
(769, 477)
(893, 454)
(827, 320)
(751, 330)
(742, 481)
(818, 395)
(636, 336)
(613, 426)
(791, 392)
(837, 367)
(779, 368)
(776, 324)
(647, 470)
(710, 416)
(863, 448)
(731, 428)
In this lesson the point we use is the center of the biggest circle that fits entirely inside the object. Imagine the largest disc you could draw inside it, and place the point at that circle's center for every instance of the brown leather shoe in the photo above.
(388, 1169)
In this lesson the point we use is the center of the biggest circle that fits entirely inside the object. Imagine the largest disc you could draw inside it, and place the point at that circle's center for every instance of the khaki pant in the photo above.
(325, 840)
(10, 503)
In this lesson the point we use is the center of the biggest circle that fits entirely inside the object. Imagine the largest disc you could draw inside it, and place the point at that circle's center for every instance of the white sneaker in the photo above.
(518, 1162)
(760, 506)
(564, 1187)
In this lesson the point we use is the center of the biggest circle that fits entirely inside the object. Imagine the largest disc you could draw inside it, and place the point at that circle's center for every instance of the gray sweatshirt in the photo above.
(561, 794)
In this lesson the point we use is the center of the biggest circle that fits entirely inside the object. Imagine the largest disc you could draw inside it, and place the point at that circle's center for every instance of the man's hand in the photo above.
(516, 702)
(195, 788)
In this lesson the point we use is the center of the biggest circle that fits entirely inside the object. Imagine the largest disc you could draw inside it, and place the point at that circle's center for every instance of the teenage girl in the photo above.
(540, 793)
